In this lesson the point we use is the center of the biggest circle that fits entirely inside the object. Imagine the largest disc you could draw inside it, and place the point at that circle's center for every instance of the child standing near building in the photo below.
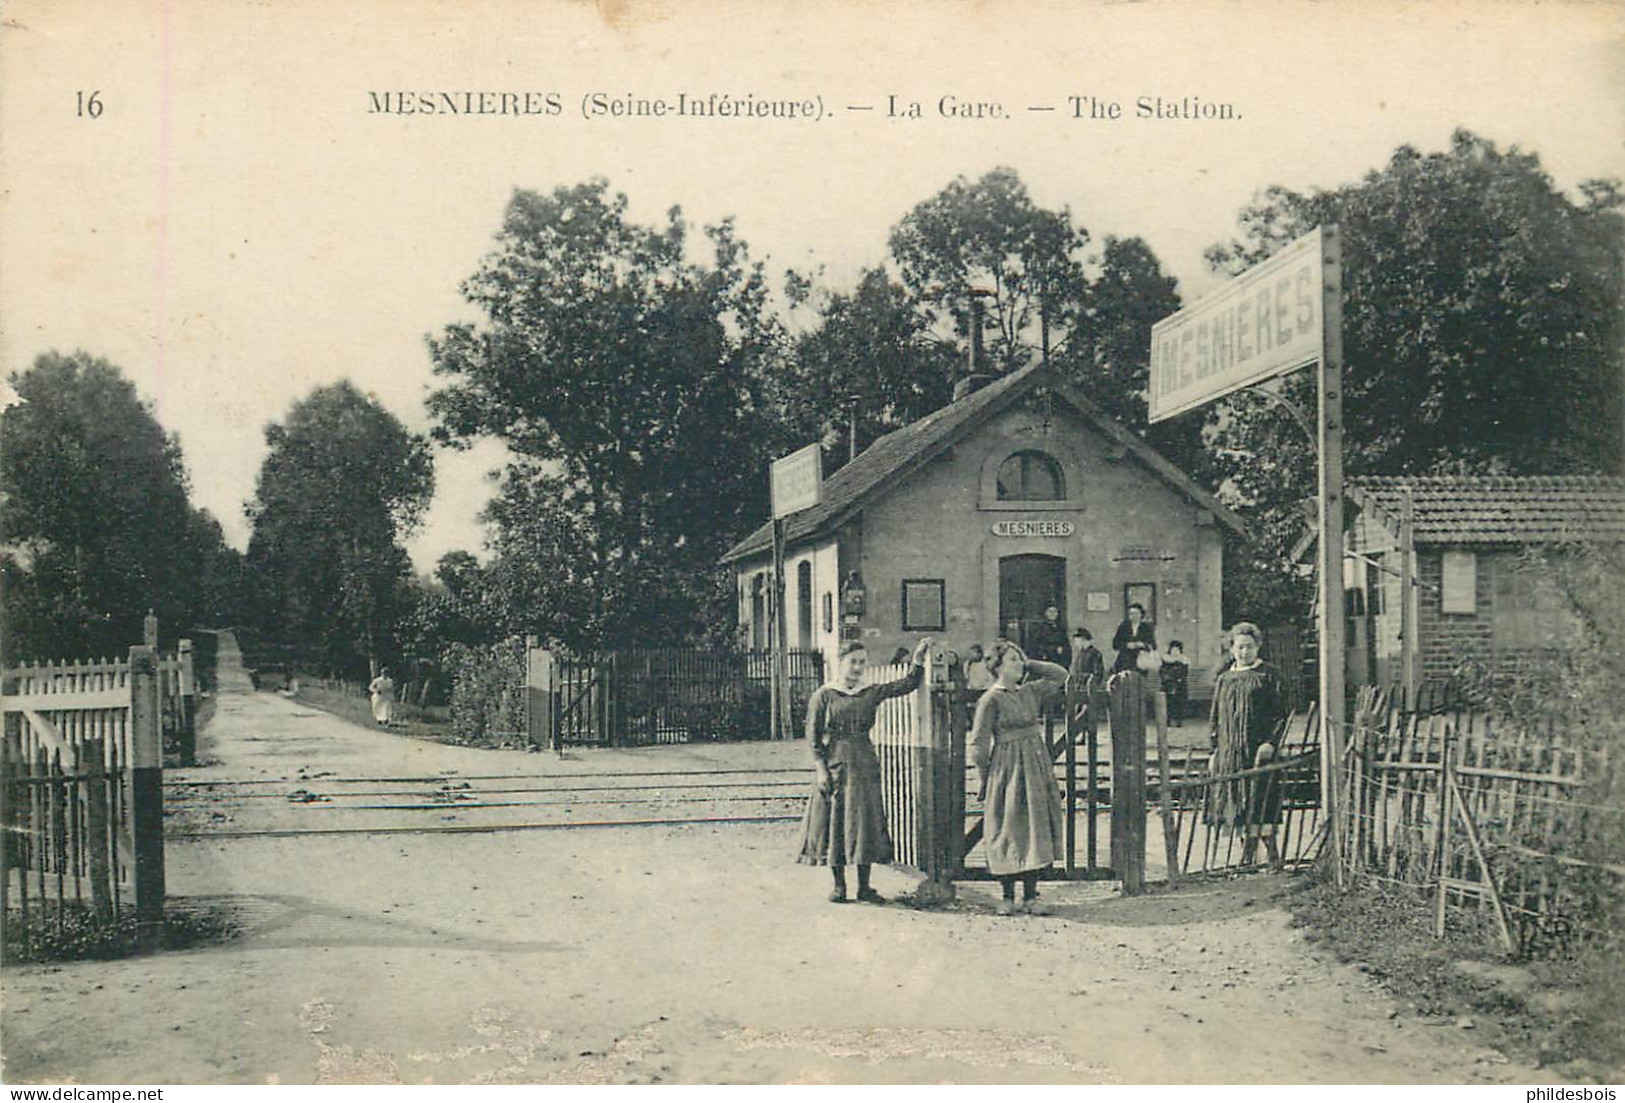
(1176, 683)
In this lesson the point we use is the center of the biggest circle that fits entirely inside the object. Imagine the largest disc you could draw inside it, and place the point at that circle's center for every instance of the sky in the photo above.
(238, 226)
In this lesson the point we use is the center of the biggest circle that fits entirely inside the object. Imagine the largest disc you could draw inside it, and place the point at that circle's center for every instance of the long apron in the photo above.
(1024, 824)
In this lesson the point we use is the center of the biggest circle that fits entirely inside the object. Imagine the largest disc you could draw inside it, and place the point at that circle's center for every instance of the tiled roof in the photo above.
(1503, 509)
(900, 451)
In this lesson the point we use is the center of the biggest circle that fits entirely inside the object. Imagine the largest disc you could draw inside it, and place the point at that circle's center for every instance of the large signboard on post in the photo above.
(1267, 321)
(796, 481)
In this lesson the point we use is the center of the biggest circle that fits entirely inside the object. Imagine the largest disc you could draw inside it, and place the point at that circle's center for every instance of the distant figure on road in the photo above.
(845, 822)
(383, 697)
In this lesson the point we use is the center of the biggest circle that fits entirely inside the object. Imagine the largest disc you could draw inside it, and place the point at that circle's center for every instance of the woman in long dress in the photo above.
(845, 822)
(1023, 822)
(383, 697)
(1249, 710)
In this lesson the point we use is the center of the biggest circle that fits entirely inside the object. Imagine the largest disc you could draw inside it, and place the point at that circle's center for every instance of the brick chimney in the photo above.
(976, 376)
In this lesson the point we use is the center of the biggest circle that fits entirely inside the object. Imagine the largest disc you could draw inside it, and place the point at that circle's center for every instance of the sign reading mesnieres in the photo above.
(796, 481)
(1033, 528)
(1265, 322)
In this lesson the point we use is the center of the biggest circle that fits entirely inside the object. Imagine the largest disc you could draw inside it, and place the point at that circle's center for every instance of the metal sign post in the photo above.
(1329, 438)
(1283, 314)
(795, 482)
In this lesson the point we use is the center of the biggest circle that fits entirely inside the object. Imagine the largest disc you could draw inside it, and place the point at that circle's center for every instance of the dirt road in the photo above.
(686, 953)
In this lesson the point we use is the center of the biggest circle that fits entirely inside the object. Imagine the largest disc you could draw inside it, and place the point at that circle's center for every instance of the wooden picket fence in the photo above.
(81, 791)
(1515, 826)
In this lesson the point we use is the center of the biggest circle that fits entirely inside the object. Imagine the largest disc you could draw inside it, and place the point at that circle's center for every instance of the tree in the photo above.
(343, 484)
(1109, 355)
(97, 529)
(627, 381)
(870, 365)
(990, 235)
(1481, 333)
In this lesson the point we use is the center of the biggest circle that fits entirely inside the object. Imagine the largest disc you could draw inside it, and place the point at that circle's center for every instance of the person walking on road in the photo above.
(845, 821)
(383, 698)
(1022, 818)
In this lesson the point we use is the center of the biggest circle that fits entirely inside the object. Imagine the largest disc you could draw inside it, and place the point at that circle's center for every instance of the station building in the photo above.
(1019, 495)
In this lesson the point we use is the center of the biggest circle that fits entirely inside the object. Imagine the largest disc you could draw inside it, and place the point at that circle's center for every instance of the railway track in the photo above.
(317, 804)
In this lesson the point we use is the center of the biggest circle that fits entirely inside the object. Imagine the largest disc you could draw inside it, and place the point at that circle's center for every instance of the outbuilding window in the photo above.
(1459, 583)
(1031, 476)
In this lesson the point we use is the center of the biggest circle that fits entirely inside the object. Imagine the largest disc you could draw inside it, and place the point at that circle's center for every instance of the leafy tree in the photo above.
(870, 365)
(989, 235)
(627, 381)
(1481, 334)
(1109, 355)
(343, 484)
(97, 529)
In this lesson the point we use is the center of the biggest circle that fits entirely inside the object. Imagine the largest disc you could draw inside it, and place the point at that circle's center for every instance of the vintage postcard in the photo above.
(639, 541)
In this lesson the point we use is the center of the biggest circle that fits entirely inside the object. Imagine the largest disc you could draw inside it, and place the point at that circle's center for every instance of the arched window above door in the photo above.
(1031, 476)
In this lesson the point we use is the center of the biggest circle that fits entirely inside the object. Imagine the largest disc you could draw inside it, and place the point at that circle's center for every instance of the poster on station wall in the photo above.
(1265, 322)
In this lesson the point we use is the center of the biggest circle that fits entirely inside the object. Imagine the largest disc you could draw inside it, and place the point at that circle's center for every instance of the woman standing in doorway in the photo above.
(1135, 636)
(1022, 819)
(1249, 710)
(845, 823)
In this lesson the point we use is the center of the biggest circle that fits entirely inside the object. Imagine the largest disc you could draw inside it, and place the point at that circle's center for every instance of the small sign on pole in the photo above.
(796, 481)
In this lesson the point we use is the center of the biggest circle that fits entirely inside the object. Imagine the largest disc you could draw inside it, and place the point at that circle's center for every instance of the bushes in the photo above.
(488, 692)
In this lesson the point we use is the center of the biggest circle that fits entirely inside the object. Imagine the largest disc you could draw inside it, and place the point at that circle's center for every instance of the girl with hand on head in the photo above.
(1022, 818)
(845, 823)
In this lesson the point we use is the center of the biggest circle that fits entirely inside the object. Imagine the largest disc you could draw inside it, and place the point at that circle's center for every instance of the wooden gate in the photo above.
(920, 741)
(81, 791)
(1207, 819)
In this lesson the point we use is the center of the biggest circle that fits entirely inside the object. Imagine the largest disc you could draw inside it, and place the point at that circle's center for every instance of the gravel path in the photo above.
(685, 953)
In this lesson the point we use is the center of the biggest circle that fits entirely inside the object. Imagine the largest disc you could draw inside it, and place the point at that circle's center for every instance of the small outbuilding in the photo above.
(1019, 495)
(1465, 543)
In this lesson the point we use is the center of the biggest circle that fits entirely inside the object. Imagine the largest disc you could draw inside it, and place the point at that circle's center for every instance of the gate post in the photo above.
(147, 795)
(933, 731)
(538, 694)
(1073, 726)
(188, 688)
(1128, 779)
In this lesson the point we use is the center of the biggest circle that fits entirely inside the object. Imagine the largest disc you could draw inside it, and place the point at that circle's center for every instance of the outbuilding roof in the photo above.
(902, 451)
(1502, 509)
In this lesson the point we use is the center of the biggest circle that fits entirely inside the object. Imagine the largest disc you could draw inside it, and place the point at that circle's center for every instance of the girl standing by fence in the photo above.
(1249, 710)
(845, 823)
(1023, 820)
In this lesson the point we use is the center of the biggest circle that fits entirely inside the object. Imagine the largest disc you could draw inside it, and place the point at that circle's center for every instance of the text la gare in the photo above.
(947, 107)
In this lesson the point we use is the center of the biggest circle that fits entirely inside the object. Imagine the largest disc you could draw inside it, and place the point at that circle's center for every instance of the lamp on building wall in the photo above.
(854, 600)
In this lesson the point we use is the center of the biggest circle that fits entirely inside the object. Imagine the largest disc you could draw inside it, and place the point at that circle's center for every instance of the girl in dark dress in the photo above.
(845, 823)
(1249, 710)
